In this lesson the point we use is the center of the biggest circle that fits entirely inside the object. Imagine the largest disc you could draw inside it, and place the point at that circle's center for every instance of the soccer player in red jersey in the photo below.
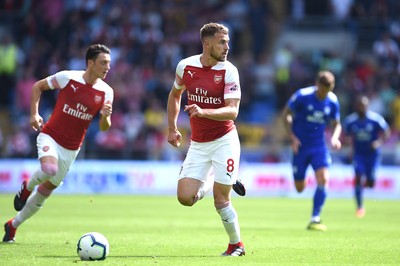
(83, 94)
(212, 162)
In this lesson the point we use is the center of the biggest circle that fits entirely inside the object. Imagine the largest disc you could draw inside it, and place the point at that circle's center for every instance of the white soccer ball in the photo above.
(93, 246)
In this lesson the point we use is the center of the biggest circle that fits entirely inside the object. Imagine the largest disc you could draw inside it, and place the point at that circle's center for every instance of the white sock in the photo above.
(231, 223)
(37, 178)
(205, 187)
(315, 219)
(34, 203)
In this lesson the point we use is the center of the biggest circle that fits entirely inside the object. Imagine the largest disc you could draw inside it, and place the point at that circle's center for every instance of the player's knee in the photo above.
(299, 185)
(370, 183)
(221, 205)
(45, 189)
(186, 200)
(49, 169)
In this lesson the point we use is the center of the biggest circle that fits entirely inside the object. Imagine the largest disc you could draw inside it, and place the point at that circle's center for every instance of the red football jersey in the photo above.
(76, 106)
(208, 87)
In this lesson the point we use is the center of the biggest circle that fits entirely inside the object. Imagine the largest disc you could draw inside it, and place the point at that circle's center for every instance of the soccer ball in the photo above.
(93, 246)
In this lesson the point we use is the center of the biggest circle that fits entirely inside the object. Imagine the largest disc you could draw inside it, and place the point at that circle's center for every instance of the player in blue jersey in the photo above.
(368, 131)
(306, 115)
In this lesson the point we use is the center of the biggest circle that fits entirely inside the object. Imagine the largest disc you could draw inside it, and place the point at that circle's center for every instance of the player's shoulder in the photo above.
(104, 86)
(227, 65)
(371, 115)
(193, 60)
(332, 97)
(307, 91)
(71, 74)
(351, 118)
(62, 78)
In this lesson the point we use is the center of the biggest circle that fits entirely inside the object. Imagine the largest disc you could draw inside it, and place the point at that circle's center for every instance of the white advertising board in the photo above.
(150, 177)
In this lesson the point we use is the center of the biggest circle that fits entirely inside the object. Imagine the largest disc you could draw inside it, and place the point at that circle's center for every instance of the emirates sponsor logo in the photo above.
(204, 99)
(200, 96)
(217, 78)
(79, 111)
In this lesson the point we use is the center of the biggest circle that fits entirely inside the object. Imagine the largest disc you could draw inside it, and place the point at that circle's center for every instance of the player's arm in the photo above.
(288, 121)
(386, 134)
(337, 130)
(105, 116)
(229, 112)
(347, 139)
(173, 108)
(36, 121)
(383, 136)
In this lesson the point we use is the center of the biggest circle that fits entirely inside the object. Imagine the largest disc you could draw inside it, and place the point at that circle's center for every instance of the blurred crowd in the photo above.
(147, 40)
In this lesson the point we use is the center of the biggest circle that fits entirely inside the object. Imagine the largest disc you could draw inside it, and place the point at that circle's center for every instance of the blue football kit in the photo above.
(364, 131)
(310, 117)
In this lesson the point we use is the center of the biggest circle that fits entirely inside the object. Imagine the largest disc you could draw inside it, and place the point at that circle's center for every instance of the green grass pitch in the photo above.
(156, 230)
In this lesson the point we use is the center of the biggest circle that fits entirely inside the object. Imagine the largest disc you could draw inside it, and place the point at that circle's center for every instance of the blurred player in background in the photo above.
(368, 131)
(82, 95)
(306, 115)
(213, 92)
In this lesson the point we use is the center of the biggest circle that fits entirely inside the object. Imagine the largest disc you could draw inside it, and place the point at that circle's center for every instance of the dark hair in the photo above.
(208, 30)
(326, 78)
(94, 50)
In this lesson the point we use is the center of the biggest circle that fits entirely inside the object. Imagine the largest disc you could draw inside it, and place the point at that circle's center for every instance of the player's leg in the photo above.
(48, 155)
(320, 162)
(195, 180)
(300, 163)
(370, 171)
(188, 191)
(320, 192)
(36, 201)
(360, 171)
(358, 194)
(229, 218)
(48, 169)
(33, 204)
(226, 159)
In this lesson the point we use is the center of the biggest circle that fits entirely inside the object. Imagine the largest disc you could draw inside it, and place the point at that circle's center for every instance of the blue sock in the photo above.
(319, 199)
(358, 191)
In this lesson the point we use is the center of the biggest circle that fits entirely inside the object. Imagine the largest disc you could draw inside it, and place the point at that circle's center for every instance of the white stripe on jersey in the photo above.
(61, 79)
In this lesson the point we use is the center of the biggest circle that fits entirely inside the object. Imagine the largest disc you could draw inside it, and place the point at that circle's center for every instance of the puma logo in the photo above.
(191, 74)
(74, 88)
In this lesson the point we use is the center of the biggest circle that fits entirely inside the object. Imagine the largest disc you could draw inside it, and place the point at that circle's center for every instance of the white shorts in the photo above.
(47, 146)
(218, 158)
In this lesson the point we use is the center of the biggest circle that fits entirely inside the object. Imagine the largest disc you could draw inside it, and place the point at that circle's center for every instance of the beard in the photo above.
(219, 58)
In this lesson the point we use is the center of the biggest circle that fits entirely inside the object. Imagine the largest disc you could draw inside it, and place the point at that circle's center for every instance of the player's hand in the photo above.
(174, 138)
(295, 144)
(376, 144)
(336, 144)
(36, 122)
(106, 110)
(193, 110)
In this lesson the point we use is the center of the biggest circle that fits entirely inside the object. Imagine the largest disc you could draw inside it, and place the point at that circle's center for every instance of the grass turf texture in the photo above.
(156, 230)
